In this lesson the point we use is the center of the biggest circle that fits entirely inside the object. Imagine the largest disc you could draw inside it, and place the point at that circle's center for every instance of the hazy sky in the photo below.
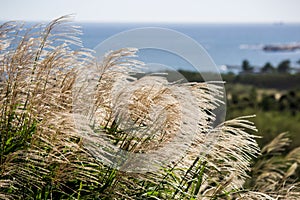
(217, 11)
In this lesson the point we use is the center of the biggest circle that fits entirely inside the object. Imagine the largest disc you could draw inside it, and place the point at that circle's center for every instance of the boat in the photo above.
(281, 47)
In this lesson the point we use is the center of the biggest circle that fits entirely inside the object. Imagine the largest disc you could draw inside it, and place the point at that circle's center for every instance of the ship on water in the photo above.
(281, 47)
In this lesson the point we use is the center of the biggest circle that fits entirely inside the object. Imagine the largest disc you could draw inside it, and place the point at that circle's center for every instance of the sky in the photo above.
(174, 11)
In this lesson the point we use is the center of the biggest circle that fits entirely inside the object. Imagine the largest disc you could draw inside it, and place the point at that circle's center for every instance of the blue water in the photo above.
(227, 44)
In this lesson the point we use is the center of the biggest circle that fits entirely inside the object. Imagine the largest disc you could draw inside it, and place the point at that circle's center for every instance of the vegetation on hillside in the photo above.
(46, 154)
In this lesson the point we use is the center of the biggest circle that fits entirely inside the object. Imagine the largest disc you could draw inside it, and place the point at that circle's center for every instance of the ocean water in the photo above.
(227, 44)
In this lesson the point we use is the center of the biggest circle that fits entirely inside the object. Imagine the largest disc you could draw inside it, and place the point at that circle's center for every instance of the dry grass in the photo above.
(57, 125)
(39, 147)
(276, 174)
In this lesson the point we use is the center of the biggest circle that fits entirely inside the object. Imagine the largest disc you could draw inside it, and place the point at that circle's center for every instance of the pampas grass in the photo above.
(276, 174)
(58, 126)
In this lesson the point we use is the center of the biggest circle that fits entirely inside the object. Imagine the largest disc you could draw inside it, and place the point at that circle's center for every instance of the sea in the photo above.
(227, 44)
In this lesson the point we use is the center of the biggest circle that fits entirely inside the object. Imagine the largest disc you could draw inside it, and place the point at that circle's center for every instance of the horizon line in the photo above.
(163, 22)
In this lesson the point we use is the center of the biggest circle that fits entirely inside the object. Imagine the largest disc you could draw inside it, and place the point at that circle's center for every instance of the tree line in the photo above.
(283, 67)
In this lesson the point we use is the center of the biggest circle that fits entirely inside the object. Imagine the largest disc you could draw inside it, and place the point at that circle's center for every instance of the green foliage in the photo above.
(280, 81)
(268, 68)
(271, 81)
(284, 66)
(246, 66)
(276, 111)
(191, 76)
